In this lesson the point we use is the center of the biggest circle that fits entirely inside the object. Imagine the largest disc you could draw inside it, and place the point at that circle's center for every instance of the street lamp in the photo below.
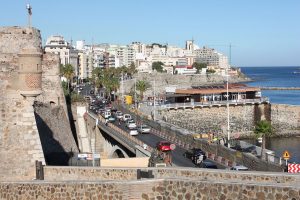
(227, 104)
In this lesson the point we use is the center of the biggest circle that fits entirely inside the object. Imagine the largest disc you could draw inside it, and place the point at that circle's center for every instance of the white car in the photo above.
(133, 132)
(126, 117)
(119, 115)
(143, 128)
(131, 124)
(239, 168)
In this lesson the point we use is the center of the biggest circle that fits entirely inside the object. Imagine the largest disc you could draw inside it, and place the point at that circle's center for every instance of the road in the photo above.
(151, 139)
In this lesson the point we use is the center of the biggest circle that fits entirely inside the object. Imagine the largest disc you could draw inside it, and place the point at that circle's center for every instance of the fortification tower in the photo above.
(30, 72)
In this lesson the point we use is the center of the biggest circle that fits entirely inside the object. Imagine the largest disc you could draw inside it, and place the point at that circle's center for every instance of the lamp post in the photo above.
(154, 101)
(227, 103)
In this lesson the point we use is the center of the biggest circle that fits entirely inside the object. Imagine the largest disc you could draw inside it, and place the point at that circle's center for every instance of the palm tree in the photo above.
(68, 73)
(263, 129)
(96, 77)
(142, 86)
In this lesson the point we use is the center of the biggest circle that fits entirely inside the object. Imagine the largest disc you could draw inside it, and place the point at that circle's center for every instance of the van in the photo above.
(106, 114)
(126, 117)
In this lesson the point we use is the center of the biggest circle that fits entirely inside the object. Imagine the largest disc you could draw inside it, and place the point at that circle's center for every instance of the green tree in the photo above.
(199, 66)
(132, 69)
(96, 77)
(158, 66)
(263, 129)
(142, 86)
(68, 72)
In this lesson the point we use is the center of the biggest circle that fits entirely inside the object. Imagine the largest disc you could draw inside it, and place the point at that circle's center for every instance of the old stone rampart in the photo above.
(53, 173)
(55, 133)
(20, 145)
(163, 80)
(27, 76)
(285, 119)
(146, 189)
(97, 183)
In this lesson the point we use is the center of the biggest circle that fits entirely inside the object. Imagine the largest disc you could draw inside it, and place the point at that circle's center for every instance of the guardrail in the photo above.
(120, 131)
(215, 152)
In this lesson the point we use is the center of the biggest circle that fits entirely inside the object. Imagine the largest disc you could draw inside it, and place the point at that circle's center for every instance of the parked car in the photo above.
(133, 132)
(143, 128)
(126, 117)
(239, 168)
(163, 146)
(130, 124)
(194, 154)
(208, 164)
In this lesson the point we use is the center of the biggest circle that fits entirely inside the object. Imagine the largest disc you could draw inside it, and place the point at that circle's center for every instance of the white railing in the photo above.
(210, 103)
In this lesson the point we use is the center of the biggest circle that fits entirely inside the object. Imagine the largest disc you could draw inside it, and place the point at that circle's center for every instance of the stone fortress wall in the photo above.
(285, 118)
(214, 119)
(166, 183)
(26, 73)
(19, 140)
(163, 80)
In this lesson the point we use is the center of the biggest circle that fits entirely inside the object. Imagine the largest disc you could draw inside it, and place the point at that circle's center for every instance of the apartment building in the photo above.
(211, 57)
(67, 54)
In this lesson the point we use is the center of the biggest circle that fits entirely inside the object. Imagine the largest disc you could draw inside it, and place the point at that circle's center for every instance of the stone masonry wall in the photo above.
(163, 80)
(214, 119)
(19, 140)
(55, 133)
(51, 84)
(286, 118)
(53, 173)
(146, 189)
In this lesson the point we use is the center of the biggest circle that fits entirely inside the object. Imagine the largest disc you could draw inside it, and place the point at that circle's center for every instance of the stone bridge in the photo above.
(112, 142)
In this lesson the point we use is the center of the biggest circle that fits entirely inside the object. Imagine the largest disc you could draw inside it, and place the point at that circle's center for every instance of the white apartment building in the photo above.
(211, 57)
(86, 63)
(67, 54)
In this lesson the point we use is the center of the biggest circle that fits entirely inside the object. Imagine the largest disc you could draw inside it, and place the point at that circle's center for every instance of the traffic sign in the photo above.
(286, 155)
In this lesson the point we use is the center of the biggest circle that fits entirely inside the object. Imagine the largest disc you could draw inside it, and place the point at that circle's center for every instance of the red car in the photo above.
(164, 146)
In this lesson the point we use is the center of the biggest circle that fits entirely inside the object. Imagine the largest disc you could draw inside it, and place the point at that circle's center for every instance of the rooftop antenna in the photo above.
(29, 9)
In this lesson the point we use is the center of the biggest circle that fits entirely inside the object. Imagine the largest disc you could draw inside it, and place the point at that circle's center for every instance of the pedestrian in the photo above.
(119, 120)
(106, 122)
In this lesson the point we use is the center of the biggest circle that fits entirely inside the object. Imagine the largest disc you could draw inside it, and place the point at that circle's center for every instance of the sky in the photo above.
(261, 32)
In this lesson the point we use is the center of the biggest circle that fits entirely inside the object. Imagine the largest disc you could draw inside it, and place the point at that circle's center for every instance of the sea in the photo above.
(279, 77)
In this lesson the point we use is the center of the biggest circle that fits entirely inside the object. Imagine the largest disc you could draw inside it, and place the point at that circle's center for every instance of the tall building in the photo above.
(67, 54)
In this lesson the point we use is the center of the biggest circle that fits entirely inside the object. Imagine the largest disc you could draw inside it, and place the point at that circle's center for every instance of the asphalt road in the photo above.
(151, 139)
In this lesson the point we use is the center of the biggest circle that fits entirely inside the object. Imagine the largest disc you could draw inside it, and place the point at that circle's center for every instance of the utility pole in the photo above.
(29, 9)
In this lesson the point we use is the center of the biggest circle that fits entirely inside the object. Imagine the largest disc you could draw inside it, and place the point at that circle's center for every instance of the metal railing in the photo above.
(211, 103)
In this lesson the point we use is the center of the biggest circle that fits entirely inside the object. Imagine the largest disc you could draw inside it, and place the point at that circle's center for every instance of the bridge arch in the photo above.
(117, 152)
